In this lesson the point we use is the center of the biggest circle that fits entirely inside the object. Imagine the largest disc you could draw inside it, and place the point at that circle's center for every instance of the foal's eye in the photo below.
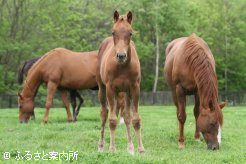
(130, 33)
(113, 33)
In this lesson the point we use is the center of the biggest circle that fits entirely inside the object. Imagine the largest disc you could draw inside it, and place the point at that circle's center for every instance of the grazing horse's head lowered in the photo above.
(122, 33)
(26, 108)
(209, 123)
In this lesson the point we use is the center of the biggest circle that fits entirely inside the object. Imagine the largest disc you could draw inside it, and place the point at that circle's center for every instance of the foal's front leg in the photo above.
(112, 116)
(127, 119)
(103, 114)
(136, 120)
(51, 91)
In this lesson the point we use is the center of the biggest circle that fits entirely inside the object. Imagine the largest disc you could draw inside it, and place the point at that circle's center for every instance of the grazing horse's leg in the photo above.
(103, 115)
(51, 91)
(81, 100)
(66, 103)
(126, 113)
(112, 116)
(196, 114)
(73, 103)
(136, 120)
(181, 114)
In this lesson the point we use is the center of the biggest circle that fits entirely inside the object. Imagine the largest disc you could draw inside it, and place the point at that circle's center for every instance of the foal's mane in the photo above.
(197, 58)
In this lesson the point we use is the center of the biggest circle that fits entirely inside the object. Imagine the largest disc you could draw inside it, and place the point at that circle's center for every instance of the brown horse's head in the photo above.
(209, 123)
(122, 32)
(26, 108)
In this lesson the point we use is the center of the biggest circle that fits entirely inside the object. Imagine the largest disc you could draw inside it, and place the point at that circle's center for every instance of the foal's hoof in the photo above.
(130, 149)
(100, 149)
(100, 146)
(45, 121)
(181, 145)
(112, 149)
(141, 150)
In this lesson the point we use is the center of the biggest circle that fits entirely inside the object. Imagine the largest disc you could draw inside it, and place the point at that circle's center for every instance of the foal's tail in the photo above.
(20, 74)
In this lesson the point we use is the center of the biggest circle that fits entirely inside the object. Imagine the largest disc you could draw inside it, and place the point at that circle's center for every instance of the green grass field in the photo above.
(159, 133)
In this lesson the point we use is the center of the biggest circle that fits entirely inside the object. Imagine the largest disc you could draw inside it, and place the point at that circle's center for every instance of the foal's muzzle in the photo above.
(121, 57)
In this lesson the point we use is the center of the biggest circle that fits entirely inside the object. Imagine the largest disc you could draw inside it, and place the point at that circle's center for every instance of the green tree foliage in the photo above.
(30, 28)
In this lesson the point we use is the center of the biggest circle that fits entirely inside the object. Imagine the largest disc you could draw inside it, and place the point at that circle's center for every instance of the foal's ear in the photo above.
(129, 17)
(20, 96)
(222, 105)
(116, 16)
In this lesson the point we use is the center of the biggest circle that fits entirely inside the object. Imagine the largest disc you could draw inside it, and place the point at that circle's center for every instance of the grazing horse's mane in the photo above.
(199, 62)
(38, 62)
(24, 68)
(21, 72)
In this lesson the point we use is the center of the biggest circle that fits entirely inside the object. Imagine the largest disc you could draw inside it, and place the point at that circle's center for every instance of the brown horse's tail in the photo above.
(20, 74)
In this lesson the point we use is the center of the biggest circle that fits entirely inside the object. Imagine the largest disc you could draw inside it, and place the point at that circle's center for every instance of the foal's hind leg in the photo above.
(196, 114)
(126, 114)
(181, 114)
(120, 109)
(66, 103)
(103, 115)
(136, 120)
(33, 116)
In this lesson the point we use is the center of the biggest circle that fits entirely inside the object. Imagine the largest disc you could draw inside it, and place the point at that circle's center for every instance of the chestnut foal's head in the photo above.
(122, 32)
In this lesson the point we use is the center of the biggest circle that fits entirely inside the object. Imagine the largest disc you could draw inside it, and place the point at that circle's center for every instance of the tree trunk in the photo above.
(226, 47)
(157, 59)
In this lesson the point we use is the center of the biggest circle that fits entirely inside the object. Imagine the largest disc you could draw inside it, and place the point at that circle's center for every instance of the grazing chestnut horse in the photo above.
(190, 69)
(119, 71)
(60, 68)
(23, 70)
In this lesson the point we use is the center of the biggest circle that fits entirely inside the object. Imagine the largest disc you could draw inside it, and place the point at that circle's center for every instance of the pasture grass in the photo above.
(159, 134)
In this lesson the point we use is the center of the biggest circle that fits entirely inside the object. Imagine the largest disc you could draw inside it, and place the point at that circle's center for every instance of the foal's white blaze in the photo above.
(219, 135)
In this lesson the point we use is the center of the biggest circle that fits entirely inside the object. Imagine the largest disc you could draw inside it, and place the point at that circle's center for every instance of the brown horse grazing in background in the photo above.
(60, 68)
(190, 69)
(119, 71)
(23, 70)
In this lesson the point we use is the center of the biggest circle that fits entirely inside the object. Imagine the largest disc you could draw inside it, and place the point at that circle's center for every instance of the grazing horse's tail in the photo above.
(21, 73)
